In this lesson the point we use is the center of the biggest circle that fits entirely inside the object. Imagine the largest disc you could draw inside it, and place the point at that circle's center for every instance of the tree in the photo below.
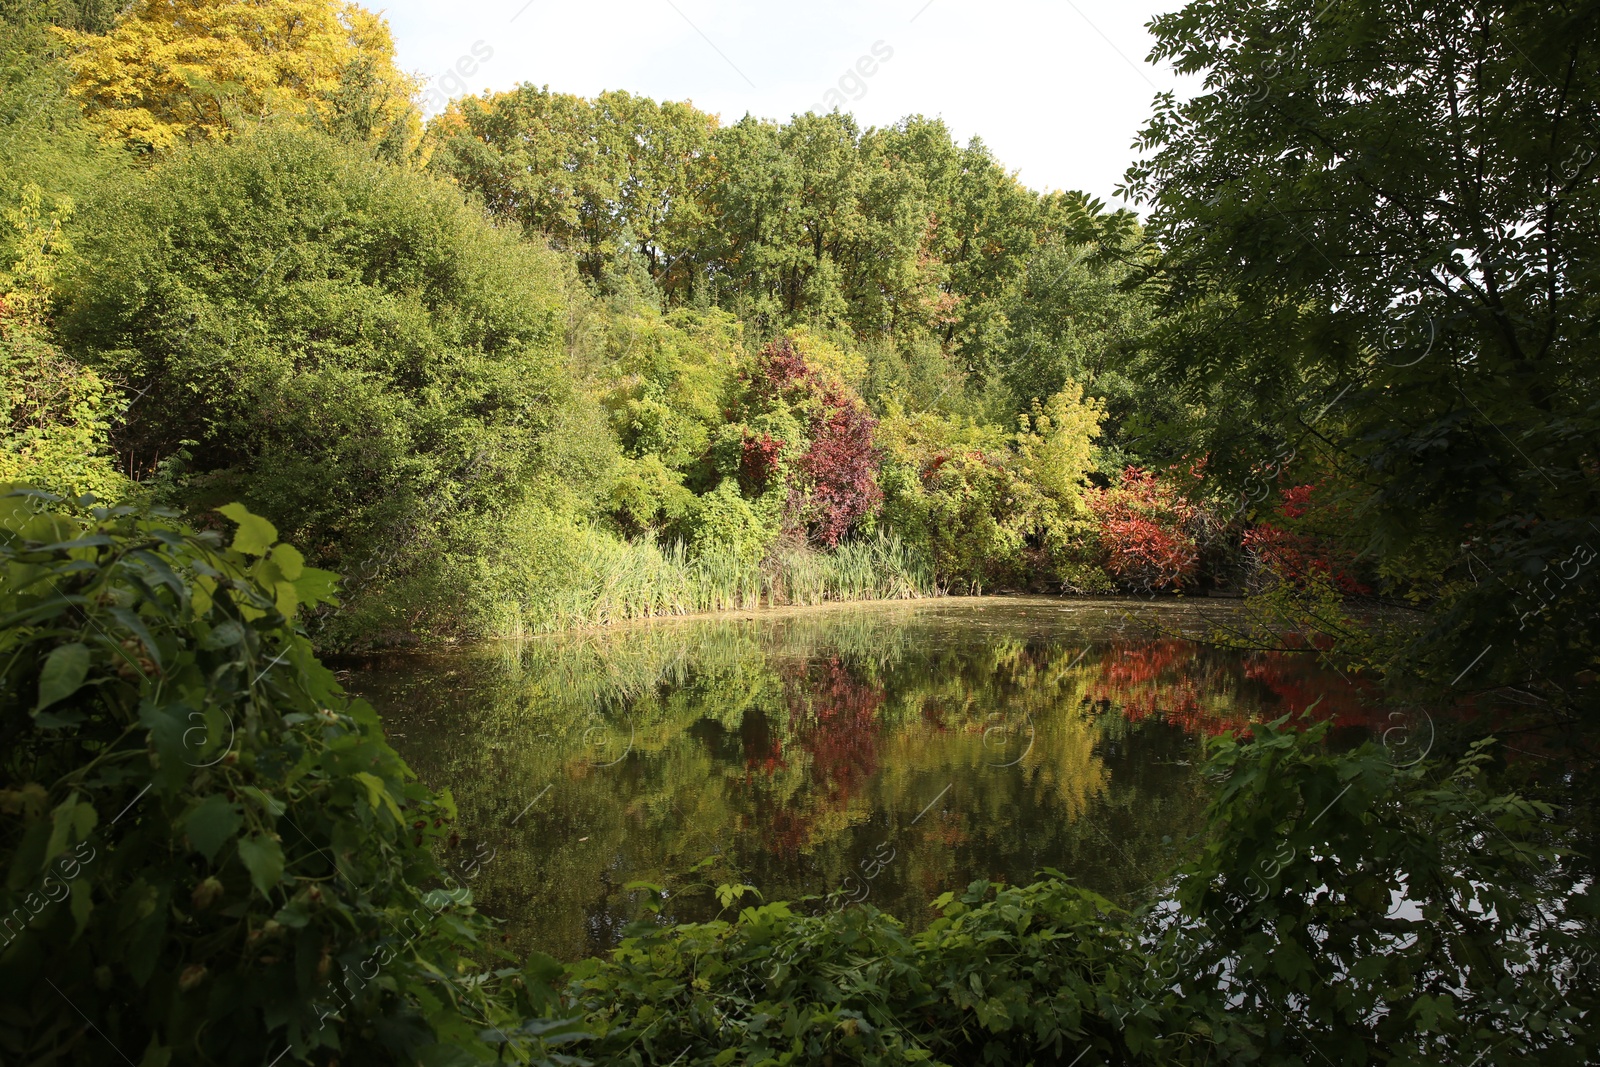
(582, 172)
(342, 343)
(44, 142)
(1381, 229)
(91, 16)
(176, 71)
(897, 234)
(1072, 317)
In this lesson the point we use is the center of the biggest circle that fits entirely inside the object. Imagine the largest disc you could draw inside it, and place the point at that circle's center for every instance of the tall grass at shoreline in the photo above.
(609, 580)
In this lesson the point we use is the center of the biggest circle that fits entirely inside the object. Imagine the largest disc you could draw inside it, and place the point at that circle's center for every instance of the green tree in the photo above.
(1380, 228)
(44, 142)
(1072, 317)
(342, 343)
(582, 172)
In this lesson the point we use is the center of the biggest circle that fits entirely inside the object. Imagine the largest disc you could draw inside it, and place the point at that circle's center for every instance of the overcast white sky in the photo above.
(1057, 90)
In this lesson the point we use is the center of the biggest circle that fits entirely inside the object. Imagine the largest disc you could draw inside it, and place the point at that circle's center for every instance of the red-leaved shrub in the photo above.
(835, 482)
(1297, 557)
(1145, 531)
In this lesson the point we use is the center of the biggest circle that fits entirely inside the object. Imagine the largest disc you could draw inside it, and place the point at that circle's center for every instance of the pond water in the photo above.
(883, 752)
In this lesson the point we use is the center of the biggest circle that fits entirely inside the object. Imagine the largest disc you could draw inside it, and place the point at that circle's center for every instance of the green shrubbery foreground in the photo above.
(213, 856)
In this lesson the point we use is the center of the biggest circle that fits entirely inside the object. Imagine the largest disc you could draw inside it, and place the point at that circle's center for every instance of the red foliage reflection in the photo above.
(834, 718)
(1208, 693)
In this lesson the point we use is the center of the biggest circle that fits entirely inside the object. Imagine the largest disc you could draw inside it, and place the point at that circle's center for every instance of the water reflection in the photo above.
(885, 753)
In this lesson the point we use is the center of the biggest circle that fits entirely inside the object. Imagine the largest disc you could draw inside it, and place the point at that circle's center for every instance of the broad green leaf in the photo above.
(81, 905)
(156, 1055)
(50, 529)
(255, 534)
(378, 793)
(294, 914)
(211, 824)
(263, 858)
(223, 635)
(144, 944)
(201, 595)
(291, 564)
(316, 586)
(63, 673)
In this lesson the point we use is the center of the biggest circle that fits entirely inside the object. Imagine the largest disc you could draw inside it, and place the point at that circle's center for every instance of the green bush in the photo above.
(995, 510)
(55, 414)
(342, 344)
(212, 855)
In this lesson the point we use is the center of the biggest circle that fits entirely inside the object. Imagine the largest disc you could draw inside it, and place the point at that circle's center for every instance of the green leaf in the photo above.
(255, 534)
(316, 586)
(156, 1055)
(50, 529)
(211, 825)
(378, 793)
(263, 858)
(289, 560)
(81, 905)
(70, 823)
(224, 635)
(135, 625)
(295, 914)
(63, 673)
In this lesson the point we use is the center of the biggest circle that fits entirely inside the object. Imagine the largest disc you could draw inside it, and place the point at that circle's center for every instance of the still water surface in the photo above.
(878, 752)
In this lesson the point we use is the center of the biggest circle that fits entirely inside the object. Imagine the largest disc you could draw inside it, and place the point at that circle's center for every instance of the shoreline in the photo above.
(1165, 604)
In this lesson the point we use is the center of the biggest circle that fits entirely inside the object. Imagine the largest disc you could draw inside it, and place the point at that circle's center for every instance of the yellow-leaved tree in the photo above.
(173, 71)
(1055, 448)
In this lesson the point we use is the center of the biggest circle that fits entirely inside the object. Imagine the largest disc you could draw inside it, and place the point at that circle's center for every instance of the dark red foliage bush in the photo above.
(1144, 526)
(835, 482)
(1301, 557)
(840, 470)
(759, 461)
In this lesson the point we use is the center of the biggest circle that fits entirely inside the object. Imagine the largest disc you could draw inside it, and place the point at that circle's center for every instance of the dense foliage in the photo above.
(169, 72)
(554, 361)
(213, 856)
(896, 233)
(1378, 230)
(1342, 908)
(210, 851)
(623, 393)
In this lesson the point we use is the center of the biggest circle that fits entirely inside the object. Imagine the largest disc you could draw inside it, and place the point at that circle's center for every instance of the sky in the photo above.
(1057, 90)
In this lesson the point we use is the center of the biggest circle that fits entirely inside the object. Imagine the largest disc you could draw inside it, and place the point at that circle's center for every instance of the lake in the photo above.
(881, 753)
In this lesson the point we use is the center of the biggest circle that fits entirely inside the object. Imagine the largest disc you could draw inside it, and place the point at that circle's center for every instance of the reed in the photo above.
(607, 580)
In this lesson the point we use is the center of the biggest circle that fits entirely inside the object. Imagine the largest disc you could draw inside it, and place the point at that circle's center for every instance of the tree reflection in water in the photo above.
(785, 750)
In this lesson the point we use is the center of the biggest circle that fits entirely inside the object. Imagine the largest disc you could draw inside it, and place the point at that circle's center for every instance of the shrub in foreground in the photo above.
(212, 856)
(1342, 909)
